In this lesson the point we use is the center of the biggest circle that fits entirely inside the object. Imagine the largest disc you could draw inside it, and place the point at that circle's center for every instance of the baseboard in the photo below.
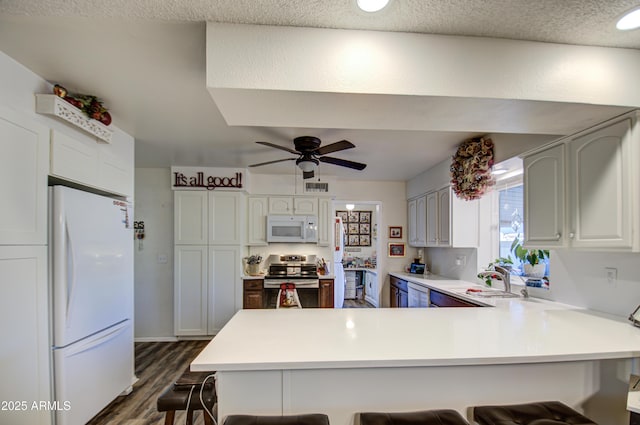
(195, 338)
(156, 339)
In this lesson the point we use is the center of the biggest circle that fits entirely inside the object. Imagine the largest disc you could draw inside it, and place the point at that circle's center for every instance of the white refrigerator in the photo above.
(91, 249)
(338, 270)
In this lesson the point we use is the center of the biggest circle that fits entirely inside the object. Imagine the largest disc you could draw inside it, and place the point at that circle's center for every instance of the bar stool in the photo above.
(305, 419)
(424, 417)
(187, 390)
(540, 413)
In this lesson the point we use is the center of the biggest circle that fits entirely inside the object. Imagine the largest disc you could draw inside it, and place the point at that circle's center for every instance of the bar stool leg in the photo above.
(169, 417)
(189, 417)
(207, 418)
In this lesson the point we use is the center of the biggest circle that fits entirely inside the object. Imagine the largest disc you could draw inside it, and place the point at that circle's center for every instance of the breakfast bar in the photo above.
(341, 362)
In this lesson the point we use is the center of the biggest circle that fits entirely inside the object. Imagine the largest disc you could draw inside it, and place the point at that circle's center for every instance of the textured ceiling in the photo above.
(146, 59)
(586, 22)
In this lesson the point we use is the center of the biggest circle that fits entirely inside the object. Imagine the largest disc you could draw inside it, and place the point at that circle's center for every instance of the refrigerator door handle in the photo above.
(71, 270)
(92, 344)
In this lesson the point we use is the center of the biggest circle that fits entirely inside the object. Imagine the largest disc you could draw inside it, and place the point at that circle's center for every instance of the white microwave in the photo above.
(292, 228)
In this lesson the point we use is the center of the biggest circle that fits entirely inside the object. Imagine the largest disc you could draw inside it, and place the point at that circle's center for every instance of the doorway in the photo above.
(361, 220)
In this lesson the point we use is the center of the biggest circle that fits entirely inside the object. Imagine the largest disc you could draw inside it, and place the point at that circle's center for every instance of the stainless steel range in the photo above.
(298, 269)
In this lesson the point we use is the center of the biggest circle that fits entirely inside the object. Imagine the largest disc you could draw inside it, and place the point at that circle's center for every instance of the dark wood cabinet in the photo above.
(325, 293)
(439, 299)
(399, 296)
(253, 295)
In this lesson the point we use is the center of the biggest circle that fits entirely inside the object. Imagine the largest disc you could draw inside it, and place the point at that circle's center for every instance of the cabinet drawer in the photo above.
(253, 284)
(441, 300)
(398, 283)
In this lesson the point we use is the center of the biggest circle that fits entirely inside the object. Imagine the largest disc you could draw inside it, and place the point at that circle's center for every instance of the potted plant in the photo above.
(532, 259)
(252, 263)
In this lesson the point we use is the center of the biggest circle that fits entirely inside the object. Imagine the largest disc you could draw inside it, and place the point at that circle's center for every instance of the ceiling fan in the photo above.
(310, 154)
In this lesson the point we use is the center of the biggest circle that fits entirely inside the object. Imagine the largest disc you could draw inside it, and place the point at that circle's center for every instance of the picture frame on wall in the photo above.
(396, 250)
(395, 232)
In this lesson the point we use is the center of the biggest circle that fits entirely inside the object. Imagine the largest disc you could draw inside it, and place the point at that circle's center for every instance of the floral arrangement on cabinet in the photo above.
(471, 168)
(87, 103)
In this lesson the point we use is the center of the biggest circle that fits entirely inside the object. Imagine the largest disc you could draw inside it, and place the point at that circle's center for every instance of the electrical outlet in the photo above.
(612, 275)
(163, 259)
(461, 260)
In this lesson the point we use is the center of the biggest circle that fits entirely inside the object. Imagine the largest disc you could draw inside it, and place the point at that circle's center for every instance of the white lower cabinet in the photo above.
(190, 290)
(24, 369)
(224, 286)
(208, 288)
(594, 206)
(371, 287)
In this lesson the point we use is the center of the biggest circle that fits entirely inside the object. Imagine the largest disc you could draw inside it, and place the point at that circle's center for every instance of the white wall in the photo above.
(154, 261)
(579, 278)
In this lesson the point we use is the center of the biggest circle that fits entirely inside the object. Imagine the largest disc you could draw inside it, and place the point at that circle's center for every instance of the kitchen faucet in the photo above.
(502, 273)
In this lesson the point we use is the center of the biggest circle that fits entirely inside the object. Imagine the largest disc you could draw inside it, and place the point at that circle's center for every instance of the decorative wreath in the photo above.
(471, 168)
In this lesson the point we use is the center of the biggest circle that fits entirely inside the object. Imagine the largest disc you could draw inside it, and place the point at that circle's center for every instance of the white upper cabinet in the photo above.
(281, 205)
(583, 192)
(305, 206)
(72, 159)
(191, 222)
(444, 217)
(417, 221)
(24, 165)
(291, 205)
(600, 188)
(203, 218)
(325, 222)
(107, 167)
(226, 218)
(544, 198)
(451, 222)
(258, 208)
(432, 219)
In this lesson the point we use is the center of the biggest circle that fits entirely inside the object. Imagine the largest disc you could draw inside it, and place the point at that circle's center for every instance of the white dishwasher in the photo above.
(418, 295)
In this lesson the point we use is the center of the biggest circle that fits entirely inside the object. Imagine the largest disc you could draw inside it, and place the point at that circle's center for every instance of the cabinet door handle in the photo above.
(572, 235)
(558, 236)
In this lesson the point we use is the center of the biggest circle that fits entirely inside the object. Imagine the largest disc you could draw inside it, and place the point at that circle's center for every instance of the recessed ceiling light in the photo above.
(629, 21)
(372, 5)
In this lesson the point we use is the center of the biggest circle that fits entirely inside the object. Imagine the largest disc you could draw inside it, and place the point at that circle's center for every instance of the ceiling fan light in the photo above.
(372, 5)
(629, 21)
(307, 165)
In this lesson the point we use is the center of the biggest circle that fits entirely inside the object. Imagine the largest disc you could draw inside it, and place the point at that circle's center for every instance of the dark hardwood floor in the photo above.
(357, 303)
(157, 365)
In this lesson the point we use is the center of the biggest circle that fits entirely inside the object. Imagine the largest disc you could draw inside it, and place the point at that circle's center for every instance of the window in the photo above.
(511, 223)
(508, 220)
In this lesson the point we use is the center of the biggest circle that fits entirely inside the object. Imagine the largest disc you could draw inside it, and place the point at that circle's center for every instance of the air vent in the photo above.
(316, 187)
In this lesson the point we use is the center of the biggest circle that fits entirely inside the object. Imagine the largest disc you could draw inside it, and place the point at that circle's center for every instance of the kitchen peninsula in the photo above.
(340, 362)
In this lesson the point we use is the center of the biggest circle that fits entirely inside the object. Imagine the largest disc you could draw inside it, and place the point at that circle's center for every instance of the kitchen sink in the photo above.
(492, 294)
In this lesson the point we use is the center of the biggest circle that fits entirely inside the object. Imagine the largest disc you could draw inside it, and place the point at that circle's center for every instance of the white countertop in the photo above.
(516, 331)
(458, 289)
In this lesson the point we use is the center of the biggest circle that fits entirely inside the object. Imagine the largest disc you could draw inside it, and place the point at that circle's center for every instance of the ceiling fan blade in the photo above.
(334, 147)
(343, 162)
(284, 148)
(307, 174)
(272, 162)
